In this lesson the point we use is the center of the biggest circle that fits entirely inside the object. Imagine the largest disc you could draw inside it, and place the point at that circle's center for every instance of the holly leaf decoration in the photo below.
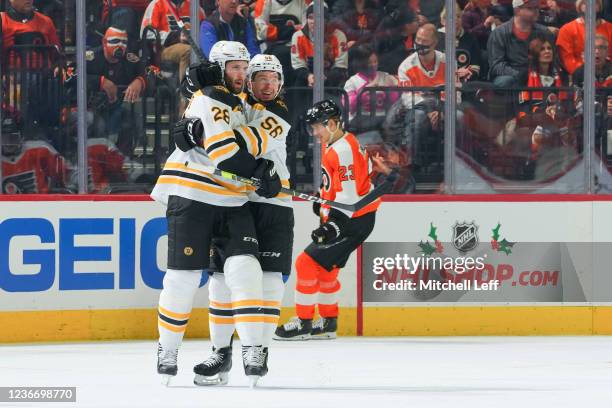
(432, 232)
(427, 248)
(506, 246)
(496, 232)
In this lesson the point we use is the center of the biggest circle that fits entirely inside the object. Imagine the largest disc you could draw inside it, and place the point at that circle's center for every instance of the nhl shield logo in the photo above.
(465, 236)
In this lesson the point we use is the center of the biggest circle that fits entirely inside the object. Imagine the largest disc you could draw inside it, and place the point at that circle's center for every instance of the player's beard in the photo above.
(234, 87)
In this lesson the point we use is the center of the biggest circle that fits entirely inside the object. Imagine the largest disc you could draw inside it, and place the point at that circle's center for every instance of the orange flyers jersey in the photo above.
(281, 11)
(346, 175)
(36, 170)
(40, 27)
(161, 15)
(302, 49)
(105, 164)
(411, 73)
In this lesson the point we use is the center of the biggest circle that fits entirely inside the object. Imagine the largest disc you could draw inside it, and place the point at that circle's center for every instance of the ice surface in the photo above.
(492, 372)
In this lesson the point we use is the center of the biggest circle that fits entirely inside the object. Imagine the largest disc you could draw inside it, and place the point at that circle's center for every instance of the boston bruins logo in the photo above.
(188, 251)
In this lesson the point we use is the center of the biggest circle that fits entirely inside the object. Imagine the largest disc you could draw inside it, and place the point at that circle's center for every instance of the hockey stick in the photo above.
(194, 46)
(367, 199)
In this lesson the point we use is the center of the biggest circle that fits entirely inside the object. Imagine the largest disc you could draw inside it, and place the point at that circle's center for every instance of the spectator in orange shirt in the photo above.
(22, 25)
(571, 36)
(424, 68)
(335, 54)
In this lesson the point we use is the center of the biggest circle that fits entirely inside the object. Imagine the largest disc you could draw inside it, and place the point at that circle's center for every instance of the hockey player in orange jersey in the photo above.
(346, 172)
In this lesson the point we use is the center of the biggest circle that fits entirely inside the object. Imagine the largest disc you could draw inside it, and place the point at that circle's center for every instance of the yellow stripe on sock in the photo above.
(220, 320)
(174, 315)
(221, 305)
(248, 302)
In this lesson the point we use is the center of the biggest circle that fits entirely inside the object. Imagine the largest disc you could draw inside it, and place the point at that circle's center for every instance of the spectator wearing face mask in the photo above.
(364, 62)
(571, 36)
(111, 70)
(424, 69)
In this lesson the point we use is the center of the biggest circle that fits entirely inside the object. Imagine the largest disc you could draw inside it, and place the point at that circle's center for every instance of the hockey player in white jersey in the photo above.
(198, 204)
(263, 136)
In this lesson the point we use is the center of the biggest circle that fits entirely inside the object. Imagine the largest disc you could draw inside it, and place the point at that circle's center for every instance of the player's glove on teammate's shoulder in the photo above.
(269, 181)
(188, 133)
(199, 76)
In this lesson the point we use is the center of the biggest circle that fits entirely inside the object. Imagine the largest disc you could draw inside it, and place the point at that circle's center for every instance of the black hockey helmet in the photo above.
(323, 111)
(12, 138)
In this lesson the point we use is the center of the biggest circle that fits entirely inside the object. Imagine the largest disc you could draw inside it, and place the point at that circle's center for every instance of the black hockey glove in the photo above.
(326, 233)
(188, 133)
(199, 76)
(269, 181)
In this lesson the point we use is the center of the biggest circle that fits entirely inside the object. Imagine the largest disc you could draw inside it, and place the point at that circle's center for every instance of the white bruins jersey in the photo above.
(220, 112)
(265, 135)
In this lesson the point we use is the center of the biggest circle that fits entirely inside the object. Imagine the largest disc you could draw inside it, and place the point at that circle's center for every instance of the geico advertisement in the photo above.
(83, 250)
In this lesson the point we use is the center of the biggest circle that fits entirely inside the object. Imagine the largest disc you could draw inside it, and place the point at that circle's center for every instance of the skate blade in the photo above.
(203, 381)
(324, 336)
(301, 337)
(166, 379)
(253, 379)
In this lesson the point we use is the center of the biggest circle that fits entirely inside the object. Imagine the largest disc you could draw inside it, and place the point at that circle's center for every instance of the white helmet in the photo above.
(265, 62)
(224, 51)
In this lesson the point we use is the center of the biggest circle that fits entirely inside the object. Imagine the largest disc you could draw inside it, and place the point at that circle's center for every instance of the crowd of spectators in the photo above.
(132, 45)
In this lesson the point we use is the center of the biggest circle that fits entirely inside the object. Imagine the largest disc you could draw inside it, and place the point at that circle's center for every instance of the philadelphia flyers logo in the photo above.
(463, 58)
(325, 179)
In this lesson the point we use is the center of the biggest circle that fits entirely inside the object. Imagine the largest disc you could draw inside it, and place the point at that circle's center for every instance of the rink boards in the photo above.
(91, 267)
